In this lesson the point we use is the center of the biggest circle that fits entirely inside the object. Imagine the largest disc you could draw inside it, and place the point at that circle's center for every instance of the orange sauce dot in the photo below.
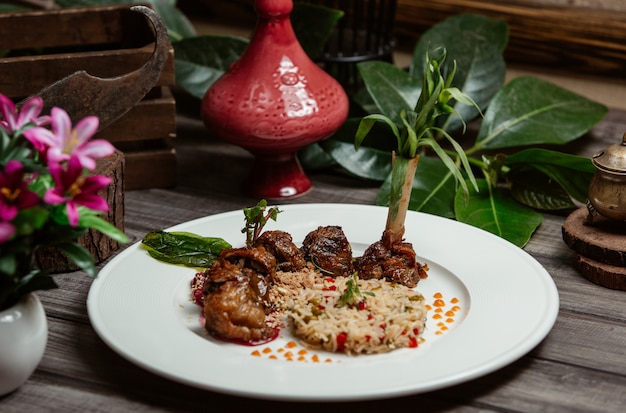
(267, 350)
(437, 316)
(273, 357)
(256, 353)
(439, 303)
(450, 313)
(441, 323)
(428, 307)
(439, 310)
(289, 354)
(328, 361)
(301, 358)
(444, 328)
(291, 344)
(454, 300)
(302, 352)
(315, 358)
(455, 308)
(449, 320)
(438, 295)
(438, 333)
(280, 350)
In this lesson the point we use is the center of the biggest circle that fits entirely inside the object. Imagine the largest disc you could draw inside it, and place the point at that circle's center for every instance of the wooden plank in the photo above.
(152, 118)
(74, 26)
(23, 76)
(150, 168)
(577, 39)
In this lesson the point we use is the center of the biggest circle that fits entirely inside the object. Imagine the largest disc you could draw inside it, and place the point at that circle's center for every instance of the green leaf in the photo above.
(183, 248)
(366, 125)
(338, 151)
(36, 280)
(570, 172)
(314, 157)
(79, 256)
(313, 25)
(433, 190)
(368, 163)
(530, 111)
(476, 44)
(537, 190)
(201, 60)
(30, 220)
(90, 220)
(391, 88)
(495, 211)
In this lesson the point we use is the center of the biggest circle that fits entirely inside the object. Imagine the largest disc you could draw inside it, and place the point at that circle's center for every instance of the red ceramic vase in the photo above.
(274, 101)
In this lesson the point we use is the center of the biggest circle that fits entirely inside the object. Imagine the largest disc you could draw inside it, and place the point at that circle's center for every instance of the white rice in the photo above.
(394, 316)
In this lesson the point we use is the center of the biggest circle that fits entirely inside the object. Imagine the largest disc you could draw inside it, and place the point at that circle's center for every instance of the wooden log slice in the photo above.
(606, 275)
(604, 240)
(100, 246)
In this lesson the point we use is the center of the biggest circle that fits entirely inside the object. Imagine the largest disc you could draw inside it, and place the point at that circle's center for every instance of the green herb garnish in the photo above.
(256, 218)
(184, 248)
(353, 296)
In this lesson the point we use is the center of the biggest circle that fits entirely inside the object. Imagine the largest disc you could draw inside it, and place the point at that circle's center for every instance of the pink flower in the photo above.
(64, 141)
(6, 231)
(29, 113)
(73, 189)
(14, 195)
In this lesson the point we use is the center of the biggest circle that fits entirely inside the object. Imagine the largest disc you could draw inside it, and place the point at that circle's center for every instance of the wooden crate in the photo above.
(105, 41)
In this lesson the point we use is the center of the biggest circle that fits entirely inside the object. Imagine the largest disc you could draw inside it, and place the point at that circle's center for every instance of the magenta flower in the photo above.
(73, 189)
(13, 121)
(14, 195)
(64, 141)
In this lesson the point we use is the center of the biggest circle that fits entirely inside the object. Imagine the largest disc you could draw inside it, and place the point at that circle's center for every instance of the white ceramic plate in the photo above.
(507, 303)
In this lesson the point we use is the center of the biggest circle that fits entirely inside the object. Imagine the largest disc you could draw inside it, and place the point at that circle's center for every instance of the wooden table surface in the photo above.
(579, 367)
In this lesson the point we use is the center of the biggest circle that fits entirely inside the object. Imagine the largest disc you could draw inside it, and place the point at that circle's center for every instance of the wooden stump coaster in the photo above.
(100, 246)
(600, 248)
(606, 275)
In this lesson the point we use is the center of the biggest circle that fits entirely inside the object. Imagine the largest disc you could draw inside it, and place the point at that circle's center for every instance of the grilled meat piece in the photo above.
(257, 264)
(329, 250)
(234, 311)
(280, 245)
(395, 262)
(236, 290)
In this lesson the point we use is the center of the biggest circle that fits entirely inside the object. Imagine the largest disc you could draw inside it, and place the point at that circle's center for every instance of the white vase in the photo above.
(23, 337)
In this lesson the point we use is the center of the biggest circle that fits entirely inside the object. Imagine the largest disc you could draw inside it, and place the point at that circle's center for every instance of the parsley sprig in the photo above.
(353, 296)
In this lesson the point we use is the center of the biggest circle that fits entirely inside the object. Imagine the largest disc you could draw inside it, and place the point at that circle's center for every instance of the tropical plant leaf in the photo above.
(537, 190)
(475, 43)
(330, 153)
(392, 89)
(313, 25)
(531, 111)
(313, 157)
(495, 211)
(367, 162)
(572, 173)
(201, 60)
(433, 192)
